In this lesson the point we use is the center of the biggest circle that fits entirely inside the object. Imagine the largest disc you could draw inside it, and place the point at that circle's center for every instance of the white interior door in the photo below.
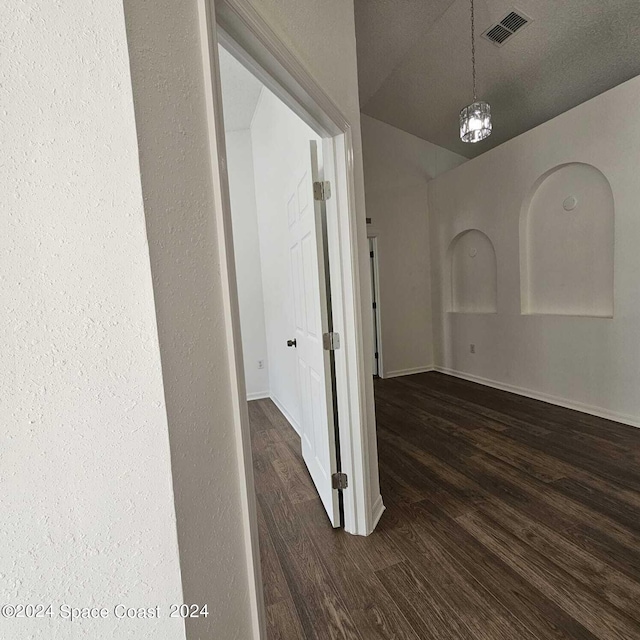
(311, 318)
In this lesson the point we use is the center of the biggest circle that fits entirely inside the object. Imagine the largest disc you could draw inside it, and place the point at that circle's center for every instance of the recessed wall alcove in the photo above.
(567, 243)
(473, 273)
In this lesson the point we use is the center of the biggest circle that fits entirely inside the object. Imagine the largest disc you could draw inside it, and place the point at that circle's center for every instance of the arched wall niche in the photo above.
(567, 243)
(473, 273)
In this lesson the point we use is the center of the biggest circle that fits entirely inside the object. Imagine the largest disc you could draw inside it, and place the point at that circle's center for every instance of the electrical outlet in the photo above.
(472, 348)
(260, 364)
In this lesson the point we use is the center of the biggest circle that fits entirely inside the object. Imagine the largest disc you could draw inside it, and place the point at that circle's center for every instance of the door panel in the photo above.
(310, 279)
(296, 269)
(311, 312)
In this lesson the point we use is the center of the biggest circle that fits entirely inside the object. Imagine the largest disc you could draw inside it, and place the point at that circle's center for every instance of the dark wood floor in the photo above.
(507, 519)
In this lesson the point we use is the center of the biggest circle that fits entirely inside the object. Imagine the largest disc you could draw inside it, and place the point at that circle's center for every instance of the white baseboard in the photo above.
(257, 395)
(407, 372)
(286, 414)
(599, 412)
(376, 512)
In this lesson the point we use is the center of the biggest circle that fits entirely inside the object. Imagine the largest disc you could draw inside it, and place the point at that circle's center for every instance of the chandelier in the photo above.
(475, 119)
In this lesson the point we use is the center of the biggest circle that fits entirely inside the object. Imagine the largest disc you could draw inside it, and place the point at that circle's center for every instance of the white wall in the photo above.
(86, 500)
(397, 167)
(246, 245)
(182, 215)
(591, 363)
(280, 147)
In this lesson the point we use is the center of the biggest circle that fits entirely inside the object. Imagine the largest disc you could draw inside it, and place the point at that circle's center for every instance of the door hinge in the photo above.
(321, 190)
(375, 305)
(371, 254)
(331, 341)
(339, 481)
(376, 355)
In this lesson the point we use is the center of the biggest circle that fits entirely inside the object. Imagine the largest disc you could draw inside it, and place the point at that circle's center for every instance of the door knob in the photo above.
(292, 343)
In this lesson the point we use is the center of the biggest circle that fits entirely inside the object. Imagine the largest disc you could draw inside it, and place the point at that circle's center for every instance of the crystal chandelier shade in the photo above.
(475, 122)
(475, 119)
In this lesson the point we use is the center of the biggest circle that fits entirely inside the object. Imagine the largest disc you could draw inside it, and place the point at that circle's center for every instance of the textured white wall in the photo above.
(280, 147)
(246, 245)
(86, 500)
(590, 363)
(397, 167)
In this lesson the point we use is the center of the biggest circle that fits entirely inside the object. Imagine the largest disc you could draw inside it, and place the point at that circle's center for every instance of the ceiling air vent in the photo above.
(502, 31)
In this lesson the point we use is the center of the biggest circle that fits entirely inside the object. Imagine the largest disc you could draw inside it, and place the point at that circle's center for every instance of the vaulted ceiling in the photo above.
(414, 62)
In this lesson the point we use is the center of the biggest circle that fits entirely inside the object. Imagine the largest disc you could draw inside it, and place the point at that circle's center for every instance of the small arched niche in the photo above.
(567, 244)
(473, 273)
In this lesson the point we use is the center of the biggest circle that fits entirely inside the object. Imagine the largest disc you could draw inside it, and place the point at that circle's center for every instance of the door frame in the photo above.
(250, 39)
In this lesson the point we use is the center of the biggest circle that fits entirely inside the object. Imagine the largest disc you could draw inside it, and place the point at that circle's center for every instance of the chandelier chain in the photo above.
(473, 51)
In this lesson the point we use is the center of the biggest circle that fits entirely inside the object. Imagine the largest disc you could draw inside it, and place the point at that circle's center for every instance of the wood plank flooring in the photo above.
(507, 519)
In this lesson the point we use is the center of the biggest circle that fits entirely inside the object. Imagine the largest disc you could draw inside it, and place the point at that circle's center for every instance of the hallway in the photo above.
(506, 518)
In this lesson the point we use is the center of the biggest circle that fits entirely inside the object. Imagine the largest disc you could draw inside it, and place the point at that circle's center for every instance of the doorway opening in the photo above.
(278, 199)
(249, 39)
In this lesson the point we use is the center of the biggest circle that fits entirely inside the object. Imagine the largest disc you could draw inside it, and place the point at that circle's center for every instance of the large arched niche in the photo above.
(473, 273)
(567, 243)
